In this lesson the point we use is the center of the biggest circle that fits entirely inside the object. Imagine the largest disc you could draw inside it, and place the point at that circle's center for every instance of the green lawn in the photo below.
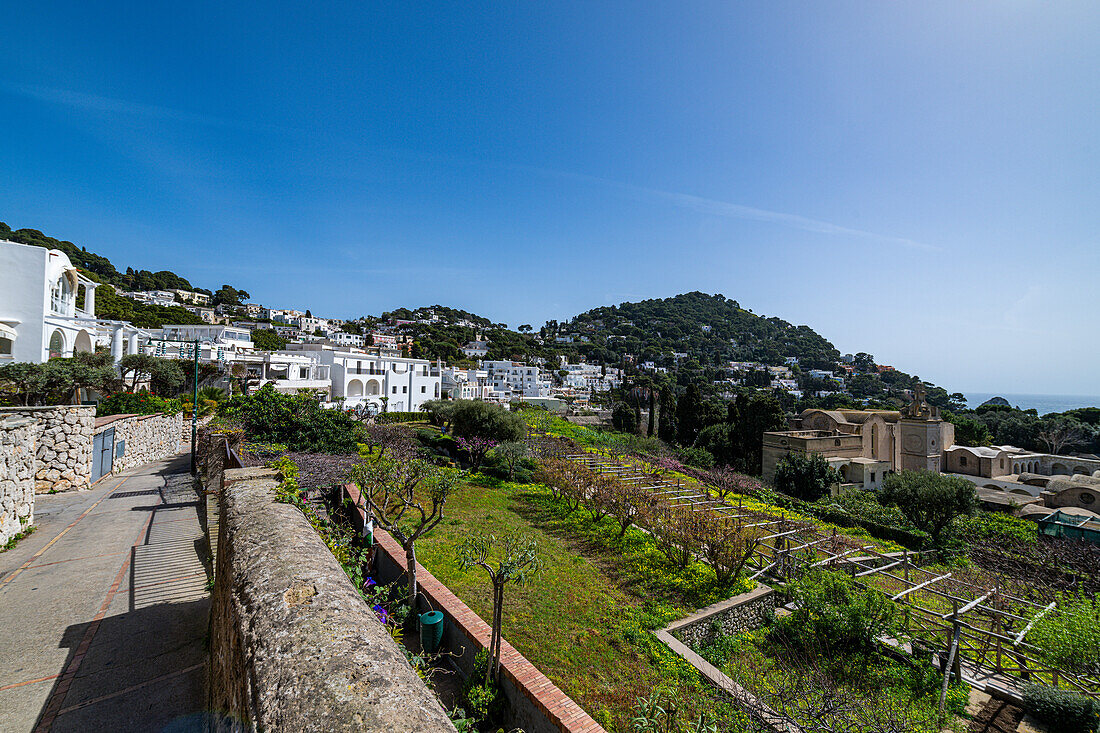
(585, 620)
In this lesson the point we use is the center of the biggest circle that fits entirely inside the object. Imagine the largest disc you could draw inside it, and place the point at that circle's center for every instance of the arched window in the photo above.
(57, 344)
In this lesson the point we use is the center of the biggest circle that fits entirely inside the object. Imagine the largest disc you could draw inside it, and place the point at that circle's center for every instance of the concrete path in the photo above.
(104, 609)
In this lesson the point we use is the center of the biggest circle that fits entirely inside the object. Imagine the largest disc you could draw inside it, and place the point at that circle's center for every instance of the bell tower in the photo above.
(924, 434)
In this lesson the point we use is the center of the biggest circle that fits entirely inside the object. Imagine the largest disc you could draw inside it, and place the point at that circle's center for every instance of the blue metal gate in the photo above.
(103, 453)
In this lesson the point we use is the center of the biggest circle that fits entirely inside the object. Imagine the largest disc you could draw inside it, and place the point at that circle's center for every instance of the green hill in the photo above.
(709, 328)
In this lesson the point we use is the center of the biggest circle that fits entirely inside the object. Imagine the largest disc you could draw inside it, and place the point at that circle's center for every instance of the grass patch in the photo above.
(585, 621)
(18, 536)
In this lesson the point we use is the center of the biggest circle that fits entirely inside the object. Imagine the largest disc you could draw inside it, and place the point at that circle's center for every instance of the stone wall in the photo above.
(148, 438)
(63, 436)
(743, 612)
(17, 462)
(293, 644)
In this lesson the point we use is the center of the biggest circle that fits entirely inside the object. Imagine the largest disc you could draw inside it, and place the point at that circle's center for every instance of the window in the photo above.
(395, 389)
(423, 389)
(1002, 463)
(404, 389)
(872, 476)
(5, 346)
(962, 460)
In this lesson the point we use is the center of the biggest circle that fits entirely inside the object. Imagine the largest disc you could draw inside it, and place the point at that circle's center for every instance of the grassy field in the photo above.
(584, 621)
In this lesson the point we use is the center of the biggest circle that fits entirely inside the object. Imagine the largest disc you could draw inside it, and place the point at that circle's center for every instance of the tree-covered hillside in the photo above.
(710, 328)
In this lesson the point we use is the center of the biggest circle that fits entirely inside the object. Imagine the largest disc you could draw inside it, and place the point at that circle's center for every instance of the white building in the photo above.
(151, 297)
(476, 349)
(468, 384)
(343, 338)
(517, 378)
(285, 371)
(384, 381)
(190, 296)
(39, 317)
(309, 324)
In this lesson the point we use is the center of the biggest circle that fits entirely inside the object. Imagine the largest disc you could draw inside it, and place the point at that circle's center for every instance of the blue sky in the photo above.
(918, 180)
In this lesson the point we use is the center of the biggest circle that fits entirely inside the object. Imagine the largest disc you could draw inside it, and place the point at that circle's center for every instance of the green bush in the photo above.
(137, 403)
(1069, 636)
(807, 478)
(834, 614)
(997, 527)
(476, 419)
(297, 421)
(696, 458)
(1064, 711)
(386, 418)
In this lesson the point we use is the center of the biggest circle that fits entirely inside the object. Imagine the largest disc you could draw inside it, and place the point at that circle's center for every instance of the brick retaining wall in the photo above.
(537, 704)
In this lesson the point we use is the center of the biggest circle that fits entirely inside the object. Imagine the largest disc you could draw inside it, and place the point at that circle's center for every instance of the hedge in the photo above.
(1064, 711)
(384, 418)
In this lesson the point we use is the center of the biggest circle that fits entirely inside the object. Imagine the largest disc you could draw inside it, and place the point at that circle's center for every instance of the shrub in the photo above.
(137, 403)
(298, 421)
(807, 478)
(384, 418)
(696, 458)
(476, 419)
(834, 614)
(931, 501)
(1069, 636)
(1064, 711)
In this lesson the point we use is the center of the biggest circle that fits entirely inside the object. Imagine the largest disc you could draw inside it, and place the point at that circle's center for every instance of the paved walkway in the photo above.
(104, 609)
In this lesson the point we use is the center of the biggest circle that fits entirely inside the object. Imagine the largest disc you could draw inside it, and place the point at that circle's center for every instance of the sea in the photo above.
(1044, 403)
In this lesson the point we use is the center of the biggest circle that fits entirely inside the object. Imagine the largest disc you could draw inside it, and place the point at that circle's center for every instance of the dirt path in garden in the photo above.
(998, 716)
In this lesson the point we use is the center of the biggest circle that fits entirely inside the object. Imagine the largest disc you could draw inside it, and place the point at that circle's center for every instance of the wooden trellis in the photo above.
(977, 635)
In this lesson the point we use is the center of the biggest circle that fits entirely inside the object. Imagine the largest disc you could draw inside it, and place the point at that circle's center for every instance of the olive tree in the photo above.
(929, 500)
(506, 560)
(406, 498)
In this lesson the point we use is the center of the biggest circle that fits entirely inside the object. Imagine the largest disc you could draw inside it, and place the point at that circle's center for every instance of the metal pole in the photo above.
(195, 411)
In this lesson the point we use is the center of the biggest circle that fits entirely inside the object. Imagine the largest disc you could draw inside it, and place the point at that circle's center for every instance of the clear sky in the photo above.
(920, 180)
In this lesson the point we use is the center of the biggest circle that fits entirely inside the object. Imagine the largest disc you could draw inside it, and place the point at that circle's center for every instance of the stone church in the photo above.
(864, 445)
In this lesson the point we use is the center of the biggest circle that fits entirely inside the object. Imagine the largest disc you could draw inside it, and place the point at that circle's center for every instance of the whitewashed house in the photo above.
(39, 317)
(385, 382)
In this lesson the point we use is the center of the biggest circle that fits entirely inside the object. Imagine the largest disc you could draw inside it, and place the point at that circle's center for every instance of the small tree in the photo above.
(136, 368)
(728, 544)
(510, 454)
(805, 477)
(515, 560)
(598, 496)
(626, 502)
(677, 531)
(478, 447)
(406, 497)
(929, 500)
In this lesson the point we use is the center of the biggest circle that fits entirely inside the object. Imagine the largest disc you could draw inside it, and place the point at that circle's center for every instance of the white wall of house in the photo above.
(365, 378)
(38, 294)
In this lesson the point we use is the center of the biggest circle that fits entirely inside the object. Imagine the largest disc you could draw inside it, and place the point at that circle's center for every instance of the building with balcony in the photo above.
(47, 308)
(380, 380)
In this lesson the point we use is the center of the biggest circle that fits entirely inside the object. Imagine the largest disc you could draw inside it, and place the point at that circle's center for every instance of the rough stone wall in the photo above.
(293, 645)
(63, 436)
(17, 463)
(743, 612)
(148, 438)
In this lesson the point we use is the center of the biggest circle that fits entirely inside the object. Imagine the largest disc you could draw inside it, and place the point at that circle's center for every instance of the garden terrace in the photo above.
(585, 621)
(981, 628)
